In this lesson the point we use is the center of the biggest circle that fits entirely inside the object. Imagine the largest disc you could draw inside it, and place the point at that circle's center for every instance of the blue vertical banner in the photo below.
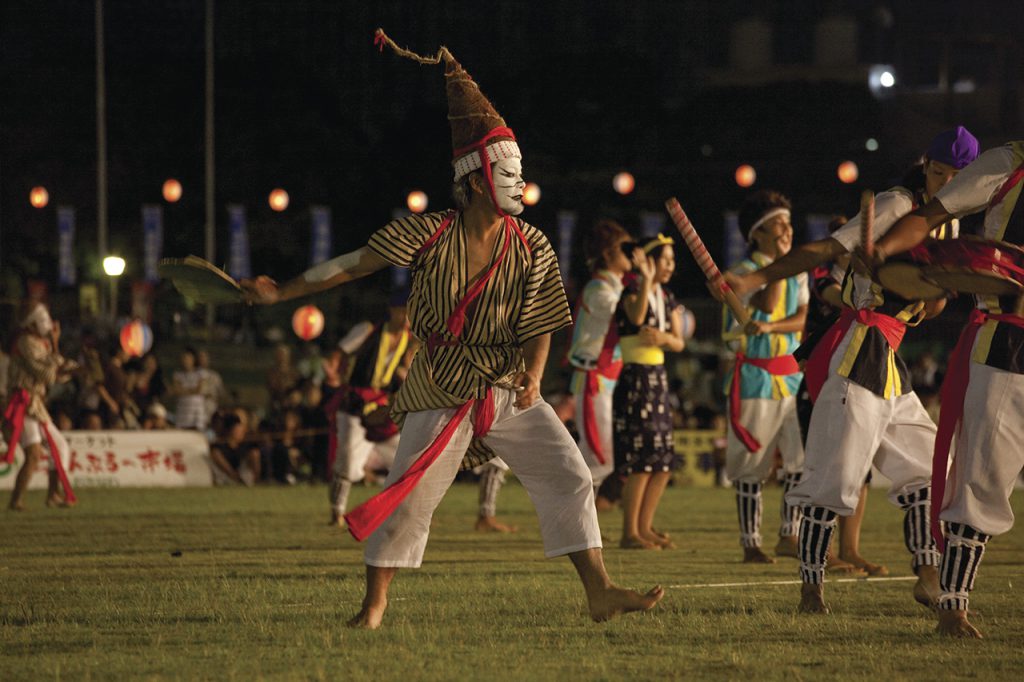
(320, 239)
(817, 227)
(652, 223)
(152, 239)
(239, 265)
(566, 229)
(735, 245)
(66, 246)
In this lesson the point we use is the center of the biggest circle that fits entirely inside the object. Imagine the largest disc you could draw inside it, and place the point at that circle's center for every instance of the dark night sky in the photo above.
(305, 102)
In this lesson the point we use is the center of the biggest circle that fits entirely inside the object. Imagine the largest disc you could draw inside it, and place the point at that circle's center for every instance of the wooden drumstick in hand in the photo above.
(704, 260)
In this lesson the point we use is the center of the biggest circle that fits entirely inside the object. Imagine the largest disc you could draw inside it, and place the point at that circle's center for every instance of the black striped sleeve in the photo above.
(399, 241)
(545, 308)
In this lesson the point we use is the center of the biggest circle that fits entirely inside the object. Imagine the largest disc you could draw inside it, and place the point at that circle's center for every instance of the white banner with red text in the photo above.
(125, 459)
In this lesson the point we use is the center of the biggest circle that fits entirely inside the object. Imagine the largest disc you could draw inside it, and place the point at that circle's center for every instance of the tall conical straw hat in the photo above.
(473, 119)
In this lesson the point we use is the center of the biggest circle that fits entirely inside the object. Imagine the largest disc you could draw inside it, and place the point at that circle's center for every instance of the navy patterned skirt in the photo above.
(642, 421)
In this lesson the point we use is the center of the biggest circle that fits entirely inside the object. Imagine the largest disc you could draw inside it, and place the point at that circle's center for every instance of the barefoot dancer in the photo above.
(594, 354)
(983, 394)
(36, 364)
(486, 295)
(865, 411)
(649, 323)
(762, 393)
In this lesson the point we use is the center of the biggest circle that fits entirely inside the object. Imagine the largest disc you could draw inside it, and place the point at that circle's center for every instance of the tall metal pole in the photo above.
(211, 243)
(101, 138)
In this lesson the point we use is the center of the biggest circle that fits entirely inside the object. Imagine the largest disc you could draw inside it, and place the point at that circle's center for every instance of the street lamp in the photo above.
(114, 267)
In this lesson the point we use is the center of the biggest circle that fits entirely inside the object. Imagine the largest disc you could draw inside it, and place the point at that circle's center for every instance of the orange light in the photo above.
(278, 199)
(171, 190)
(848, 172)
(39, 197)
(417, 201)
(624, 182)
(745, 175)
(308, 322)
(531, 194)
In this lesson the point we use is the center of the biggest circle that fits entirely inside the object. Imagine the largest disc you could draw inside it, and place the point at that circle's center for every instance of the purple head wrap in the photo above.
(956, 147)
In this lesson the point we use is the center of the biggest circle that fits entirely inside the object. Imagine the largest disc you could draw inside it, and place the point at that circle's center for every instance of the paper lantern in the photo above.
(308, 322)
(531, 194)
(624, 182)
(848, 172)
(172, 190)
(136, 338)
(278, 199)
(745, 175)
(689, 323)
(417, 201)
(39, 197)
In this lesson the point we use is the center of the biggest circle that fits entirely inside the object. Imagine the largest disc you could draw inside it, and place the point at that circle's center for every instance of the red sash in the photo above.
(69, 494)
(780, 366)
(14, 415)
(608, 369)
(816, 367)
(953, 392)
(368, 516)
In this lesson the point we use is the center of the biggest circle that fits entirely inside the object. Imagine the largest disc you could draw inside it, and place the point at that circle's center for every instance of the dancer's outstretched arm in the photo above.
(801, 259)
(344, 268)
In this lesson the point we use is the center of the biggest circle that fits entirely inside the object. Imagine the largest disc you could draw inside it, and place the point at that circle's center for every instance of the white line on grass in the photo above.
(795, 582)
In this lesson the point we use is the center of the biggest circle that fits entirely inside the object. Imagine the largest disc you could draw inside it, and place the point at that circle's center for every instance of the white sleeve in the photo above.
(600, 300)
(803, 295)
(889, 207)
(973, 187)
(355, 337)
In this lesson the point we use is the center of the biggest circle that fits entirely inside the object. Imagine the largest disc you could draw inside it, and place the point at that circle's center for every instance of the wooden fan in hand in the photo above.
(200, 280)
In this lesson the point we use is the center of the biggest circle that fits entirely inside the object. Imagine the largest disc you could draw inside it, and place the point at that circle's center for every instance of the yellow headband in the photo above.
(660, 240)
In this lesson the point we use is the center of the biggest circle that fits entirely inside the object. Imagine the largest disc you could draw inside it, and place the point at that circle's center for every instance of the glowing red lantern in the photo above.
(745, 175)
(308, 322)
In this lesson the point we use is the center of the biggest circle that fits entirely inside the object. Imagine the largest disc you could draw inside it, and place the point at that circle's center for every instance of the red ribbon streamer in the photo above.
(952, 394)
(69, 494)
(816, 367)
(367, 517)
(14, 415)
(780, 366)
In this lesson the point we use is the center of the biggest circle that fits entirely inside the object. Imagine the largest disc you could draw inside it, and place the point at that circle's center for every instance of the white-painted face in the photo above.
(508, 185)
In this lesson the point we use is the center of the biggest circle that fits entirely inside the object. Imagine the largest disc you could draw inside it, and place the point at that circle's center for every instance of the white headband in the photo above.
(496, 151)
(765, 218)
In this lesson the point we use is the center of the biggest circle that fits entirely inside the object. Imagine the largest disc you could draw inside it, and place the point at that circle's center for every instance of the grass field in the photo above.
(262, 589)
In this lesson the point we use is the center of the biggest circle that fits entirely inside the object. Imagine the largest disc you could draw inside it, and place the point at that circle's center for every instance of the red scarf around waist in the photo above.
(781, 366)
(952, 394)
(591, 387)
(17, 408)
(816, 367)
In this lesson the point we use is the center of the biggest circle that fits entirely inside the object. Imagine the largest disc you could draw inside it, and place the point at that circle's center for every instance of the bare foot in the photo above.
(660, 539)
(787, 546)
(873, 570)
(58, 501)
(337, 520)
(926, 589)
(614, 601)
(955, 624)
(754, 555)
(812, 599)
(490, 524)
(837, 566)
(636, 542)
(16, 506)
(369, 617)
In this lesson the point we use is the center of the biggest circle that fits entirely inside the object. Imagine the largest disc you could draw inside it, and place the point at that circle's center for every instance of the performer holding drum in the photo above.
(865, 410)
(983, 394)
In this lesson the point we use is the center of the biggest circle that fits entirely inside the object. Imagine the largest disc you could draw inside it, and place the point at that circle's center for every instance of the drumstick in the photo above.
(867, 222)
(704, 260)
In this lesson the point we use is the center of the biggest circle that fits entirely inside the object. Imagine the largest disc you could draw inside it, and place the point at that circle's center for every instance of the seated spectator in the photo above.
(289, 455)
(156, 418)
(234, 458)
(90, 420)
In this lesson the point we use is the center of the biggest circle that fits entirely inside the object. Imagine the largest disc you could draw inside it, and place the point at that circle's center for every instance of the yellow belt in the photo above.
(636, 353)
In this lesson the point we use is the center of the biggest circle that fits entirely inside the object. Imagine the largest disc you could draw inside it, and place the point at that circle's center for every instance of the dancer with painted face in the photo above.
(983, 392)
(595, 354)
(35, 365)
(486, 295)
(649, 322)
(764, 381)
(865, 411)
